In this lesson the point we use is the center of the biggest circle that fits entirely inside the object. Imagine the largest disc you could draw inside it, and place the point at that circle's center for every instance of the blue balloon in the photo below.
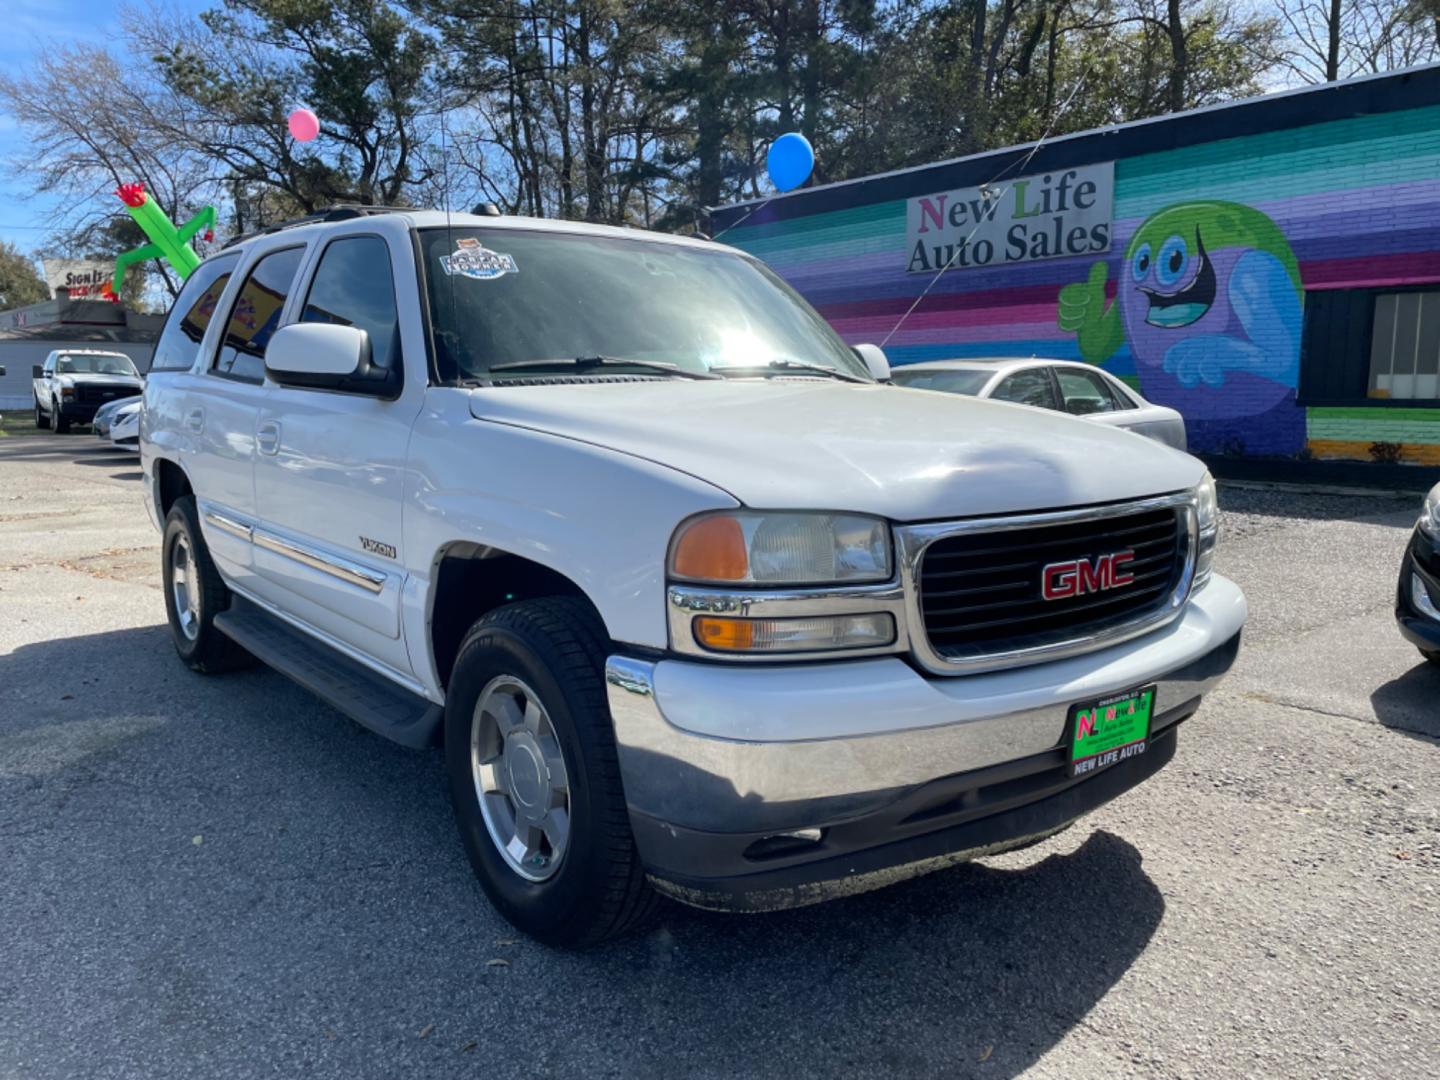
(790, 161)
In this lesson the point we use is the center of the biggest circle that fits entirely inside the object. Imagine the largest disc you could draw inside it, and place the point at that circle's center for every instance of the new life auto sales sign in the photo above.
(1045, 216)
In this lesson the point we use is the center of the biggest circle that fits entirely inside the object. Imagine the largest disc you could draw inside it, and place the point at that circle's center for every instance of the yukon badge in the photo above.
(375, 547)
(1061, 580)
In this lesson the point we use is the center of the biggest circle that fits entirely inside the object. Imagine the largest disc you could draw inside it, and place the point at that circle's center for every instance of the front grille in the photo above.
(98, 395)
(981, 592)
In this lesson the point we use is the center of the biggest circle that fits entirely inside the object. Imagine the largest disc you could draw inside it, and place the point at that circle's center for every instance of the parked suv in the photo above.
(72, 384)
(694, 603)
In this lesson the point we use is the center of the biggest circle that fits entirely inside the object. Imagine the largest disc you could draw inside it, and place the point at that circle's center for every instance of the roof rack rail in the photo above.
(338, 212)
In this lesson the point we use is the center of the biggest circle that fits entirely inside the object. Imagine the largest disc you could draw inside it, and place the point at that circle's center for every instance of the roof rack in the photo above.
(338, 212)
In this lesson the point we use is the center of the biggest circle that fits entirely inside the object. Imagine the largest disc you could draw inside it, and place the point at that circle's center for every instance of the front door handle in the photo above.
(267, 436)
(195, 420)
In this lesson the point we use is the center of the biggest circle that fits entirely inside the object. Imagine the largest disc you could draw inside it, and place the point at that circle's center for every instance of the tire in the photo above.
(592, 887)
(41, 420)
(62, 425)
(192, 608)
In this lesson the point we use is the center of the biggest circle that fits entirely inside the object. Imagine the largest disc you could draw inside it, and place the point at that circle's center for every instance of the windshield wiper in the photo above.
(781, 364)
(586, 362)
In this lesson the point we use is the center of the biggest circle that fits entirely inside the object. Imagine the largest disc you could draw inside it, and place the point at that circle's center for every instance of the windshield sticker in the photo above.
(473, 259)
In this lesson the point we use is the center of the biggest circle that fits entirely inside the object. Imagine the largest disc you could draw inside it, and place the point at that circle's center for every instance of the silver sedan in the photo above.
(1062, 385)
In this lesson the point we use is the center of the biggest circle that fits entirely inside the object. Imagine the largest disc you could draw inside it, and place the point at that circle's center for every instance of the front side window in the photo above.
(951, 382)
(94, 365)
(355, 286)
(1084, 392)
(1405, 346)
(256, 315)
(191, 314)
(1029, 387)
(512, 296)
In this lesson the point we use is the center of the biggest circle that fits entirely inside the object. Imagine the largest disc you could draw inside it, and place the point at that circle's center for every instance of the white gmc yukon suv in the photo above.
(696, 604)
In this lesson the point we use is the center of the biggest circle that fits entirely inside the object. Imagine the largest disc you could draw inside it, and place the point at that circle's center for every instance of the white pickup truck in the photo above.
(695, 602)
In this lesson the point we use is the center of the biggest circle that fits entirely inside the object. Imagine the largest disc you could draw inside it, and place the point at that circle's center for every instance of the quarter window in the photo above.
(1085, 392)
(1029, 387)
(191, 314)
(1405, 346)
(354, 286)
(256, 315)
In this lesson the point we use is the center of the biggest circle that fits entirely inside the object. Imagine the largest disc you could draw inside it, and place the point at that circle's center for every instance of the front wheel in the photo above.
(195, 594)
(62, 423)
(534, 775)
(41, 420)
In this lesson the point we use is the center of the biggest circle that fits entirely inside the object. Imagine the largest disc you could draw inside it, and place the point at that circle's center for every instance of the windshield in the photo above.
(94, 365)
(509, 296)
(952, 381)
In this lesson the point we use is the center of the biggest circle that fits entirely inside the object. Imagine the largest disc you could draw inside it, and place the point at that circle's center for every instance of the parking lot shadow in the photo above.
(1408, 703)
(222, 876)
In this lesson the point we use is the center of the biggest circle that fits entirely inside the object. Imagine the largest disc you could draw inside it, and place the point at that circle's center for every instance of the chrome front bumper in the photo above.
(743, 749)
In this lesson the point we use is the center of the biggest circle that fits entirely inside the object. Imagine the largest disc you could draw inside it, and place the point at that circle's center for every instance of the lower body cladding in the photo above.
(756, 788)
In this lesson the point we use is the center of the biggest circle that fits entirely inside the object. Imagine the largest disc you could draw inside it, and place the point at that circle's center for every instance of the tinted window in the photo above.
(953, 382)
(191, 314)
(1085, 392)
(1029, 387)
(354, 286)
(256, 315)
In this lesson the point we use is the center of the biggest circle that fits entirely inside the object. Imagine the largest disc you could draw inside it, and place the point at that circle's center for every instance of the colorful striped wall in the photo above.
(1357, 199)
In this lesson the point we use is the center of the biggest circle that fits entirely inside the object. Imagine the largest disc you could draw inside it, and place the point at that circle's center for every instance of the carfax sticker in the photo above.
(473, 259)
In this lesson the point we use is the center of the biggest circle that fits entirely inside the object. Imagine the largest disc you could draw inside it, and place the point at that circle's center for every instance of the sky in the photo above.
(30, 26)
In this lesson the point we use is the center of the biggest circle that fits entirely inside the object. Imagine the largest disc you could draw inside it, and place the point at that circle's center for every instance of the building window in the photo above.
(1405, 346)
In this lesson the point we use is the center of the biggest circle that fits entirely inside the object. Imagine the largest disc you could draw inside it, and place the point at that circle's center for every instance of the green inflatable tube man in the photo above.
(166, 241)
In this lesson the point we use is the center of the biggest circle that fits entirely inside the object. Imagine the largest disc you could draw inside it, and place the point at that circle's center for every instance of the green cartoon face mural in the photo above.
(1208, 298)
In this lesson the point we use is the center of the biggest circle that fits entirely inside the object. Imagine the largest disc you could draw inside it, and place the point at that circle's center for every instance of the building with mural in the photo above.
(1269, 267)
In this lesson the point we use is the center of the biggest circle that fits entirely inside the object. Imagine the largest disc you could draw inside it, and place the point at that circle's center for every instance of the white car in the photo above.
(105, 415)
(125, 426)
(696, 604)
(1063, 385)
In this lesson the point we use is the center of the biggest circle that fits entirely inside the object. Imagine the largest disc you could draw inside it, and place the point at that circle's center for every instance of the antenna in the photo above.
(986, 193)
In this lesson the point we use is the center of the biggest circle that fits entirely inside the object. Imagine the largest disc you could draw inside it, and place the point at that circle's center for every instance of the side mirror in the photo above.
(38, 371)
(875, 360)
(326, 356)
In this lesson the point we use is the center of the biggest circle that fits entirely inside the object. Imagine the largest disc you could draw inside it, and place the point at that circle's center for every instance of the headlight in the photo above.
(1430, 515)
(67, 391)
(754, 548)
(1207, 512)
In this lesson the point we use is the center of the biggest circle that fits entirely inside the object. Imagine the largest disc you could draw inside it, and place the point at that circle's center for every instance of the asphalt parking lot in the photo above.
(222, 877)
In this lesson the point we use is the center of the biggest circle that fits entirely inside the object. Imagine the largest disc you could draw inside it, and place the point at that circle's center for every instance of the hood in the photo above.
(91, 379)
(908, 455)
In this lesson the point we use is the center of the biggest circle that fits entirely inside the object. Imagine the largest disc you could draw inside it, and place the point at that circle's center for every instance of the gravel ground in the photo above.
(221, 877)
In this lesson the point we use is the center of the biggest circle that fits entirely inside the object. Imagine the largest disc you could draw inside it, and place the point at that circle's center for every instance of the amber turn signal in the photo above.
(818, 633)
(711, 549)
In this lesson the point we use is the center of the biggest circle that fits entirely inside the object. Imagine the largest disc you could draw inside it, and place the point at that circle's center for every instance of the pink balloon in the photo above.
(304, 125)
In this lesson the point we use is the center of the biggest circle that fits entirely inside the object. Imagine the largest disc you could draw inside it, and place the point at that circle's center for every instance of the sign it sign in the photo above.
(83, 277)
(1046, 216)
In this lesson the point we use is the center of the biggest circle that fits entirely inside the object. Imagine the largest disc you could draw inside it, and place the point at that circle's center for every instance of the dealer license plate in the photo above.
(1109, 731)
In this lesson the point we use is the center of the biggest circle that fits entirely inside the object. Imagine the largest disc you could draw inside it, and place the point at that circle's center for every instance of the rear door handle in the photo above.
(267, 436)
(195, 420)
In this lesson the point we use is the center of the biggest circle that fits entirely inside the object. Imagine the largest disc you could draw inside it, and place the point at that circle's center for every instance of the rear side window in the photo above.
(256, 315)
(190, 315)
(1029, 387)
(354, 286)
(1085, 392)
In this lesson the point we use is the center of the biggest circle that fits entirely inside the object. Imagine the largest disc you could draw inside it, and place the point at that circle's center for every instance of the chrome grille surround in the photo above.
(912, 542)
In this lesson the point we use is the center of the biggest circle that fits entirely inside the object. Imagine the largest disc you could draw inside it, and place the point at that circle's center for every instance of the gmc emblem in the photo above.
(1062, 580)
